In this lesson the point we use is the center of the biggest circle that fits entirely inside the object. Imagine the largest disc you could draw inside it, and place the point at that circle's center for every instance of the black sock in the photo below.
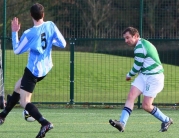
(13, 100)
(34, 112)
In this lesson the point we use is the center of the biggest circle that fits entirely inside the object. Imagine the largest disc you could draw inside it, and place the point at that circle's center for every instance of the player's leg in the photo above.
(27, 86)
(154, 85)
(12, 101)
(127, 110)
(147, 106)
(34, 112)
(25, 102)
(135, 91)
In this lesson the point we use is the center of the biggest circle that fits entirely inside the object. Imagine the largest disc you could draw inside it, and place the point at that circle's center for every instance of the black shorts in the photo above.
(29, 81)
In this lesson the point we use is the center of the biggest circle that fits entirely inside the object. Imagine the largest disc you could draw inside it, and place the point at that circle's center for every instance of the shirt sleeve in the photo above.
(138, 61)
(58, 39)
(24, 44)
(19, 46)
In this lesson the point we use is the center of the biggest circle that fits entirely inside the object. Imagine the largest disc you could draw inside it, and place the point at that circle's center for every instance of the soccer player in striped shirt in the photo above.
(149, 82)
(38, 41)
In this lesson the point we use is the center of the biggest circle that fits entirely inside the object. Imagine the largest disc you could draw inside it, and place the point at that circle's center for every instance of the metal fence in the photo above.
(92, 69)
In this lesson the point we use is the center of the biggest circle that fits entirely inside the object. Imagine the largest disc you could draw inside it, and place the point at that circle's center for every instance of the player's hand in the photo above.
(128, 78)
(15, 26)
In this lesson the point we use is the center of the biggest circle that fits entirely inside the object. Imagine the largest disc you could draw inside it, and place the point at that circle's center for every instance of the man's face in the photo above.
(130, 40)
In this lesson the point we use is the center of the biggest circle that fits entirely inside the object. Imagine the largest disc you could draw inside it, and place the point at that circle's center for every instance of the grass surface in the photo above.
(88, 123)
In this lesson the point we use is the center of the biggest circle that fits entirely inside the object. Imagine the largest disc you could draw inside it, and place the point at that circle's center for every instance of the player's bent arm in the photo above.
(58, 38)
(59, 44)
(138, 63)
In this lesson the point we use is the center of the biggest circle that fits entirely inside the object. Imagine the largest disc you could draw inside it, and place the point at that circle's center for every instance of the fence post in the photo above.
(140, 31)
(2, 58)
(72, 45)
(2, 104)
(4, 38)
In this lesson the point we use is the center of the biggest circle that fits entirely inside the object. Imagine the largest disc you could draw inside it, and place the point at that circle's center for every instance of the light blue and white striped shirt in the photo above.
(38, 40)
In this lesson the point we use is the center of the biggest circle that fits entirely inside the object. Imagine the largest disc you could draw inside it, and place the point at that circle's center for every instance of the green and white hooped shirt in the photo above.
(146, 59)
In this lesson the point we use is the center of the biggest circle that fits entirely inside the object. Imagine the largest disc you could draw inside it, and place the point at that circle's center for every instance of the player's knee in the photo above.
(146, 107)
(131, 97)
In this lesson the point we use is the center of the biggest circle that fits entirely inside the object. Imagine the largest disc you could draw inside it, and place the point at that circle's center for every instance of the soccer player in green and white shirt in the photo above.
(149, 82)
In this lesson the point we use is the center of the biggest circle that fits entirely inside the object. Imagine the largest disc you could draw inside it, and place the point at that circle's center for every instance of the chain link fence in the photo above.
(92, 68)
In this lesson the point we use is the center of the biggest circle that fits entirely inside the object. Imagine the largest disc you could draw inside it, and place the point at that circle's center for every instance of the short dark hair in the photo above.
(37, 11)
(133, 31)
